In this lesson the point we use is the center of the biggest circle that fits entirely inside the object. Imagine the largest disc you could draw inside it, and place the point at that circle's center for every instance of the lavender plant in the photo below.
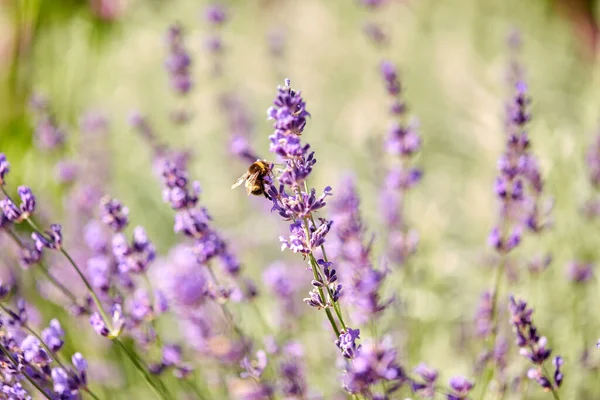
(168, 308)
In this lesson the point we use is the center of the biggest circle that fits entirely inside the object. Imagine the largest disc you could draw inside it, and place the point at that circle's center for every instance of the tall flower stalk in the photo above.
(296, 203)
(403, 142)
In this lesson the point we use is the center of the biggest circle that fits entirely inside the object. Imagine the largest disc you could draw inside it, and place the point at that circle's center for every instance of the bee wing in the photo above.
(251, 181)
(240, 180)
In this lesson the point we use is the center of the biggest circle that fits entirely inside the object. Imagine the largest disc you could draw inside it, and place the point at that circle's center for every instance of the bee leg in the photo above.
(267, 196)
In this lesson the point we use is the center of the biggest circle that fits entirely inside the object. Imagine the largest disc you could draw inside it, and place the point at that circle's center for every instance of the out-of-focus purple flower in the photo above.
(137, 256)
(48, 135)
(187, 286)
(19, 213)
(215, 14)
(372, 3)
(460, 387)
(390, 76)
(532, 345)
(276, 41)
(114, 214)
(593, 163)
(558, 362)
(79, 362)
(29, 255)
(27, 200)
(375, 33)
(294, 380)
(66, 171)
(15, 391)
(178, 61)
(241, 128)
(254, 368)
(5, 289)
(98, 324)
(4, 168)
(34, 353)
(347, 342)
(539, 263)
(93, 123)
(580, 272)
(374, 363)
(403, 140)
(519, 185)
(61, 381)
(352, 253)
(53, 336)
(483, 317)
(426, 388)
(51, 240)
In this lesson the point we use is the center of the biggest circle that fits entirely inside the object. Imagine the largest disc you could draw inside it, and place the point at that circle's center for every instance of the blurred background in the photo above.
(106, 57)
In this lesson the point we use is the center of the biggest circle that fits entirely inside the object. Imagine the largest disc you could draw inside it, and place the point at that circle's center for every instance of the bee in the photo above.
(254, 178)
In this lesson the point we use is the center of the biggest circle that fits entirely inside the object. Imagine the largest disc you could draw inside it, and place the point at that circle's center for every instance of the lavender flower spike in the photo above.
(533, 346)
(460, 388)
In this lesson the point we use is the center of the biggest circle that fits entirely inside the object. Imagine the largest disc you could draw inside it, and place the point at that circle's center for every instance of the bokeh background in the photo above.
(108, 56)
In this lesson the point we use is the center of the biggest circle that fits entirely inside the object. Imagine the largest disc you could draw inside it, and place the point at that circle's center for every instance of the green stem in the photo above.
(31, 380)
(224, 308)
(494, 314)
(314, 266)
(44, 269)
(554, 394)
(142, 370)
(88, 391)
(57, 283)
(107, 320)
(152, 299)
(336, 305)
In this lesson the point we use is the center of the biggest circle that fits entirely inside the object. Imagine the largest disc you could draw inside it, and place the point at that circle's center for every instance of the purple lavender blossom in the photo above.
(178, 61)
(48, 135)
(135, 257)
(374, 363)
(4, 168)
(240, 128)
(580, 272)
(483, 317)
(460, 388)
(289, 113)
(34, 353)
(276, 41)
(254, 368)
(352, 253)
(114, 214)
(347, 343)
(14, 390)
(53, 336)
(25, 209)
(403, 141)
(51, 240)
(429, 376)
(215, 14)
(519, 185)
(66, 171)
(376, 34)
(532, 345)
(372, 3)
(193, 221)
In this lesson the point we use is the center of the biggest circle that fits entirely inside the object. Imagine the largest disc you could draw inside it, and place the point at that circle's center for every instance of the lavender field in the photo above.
(318, 199)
